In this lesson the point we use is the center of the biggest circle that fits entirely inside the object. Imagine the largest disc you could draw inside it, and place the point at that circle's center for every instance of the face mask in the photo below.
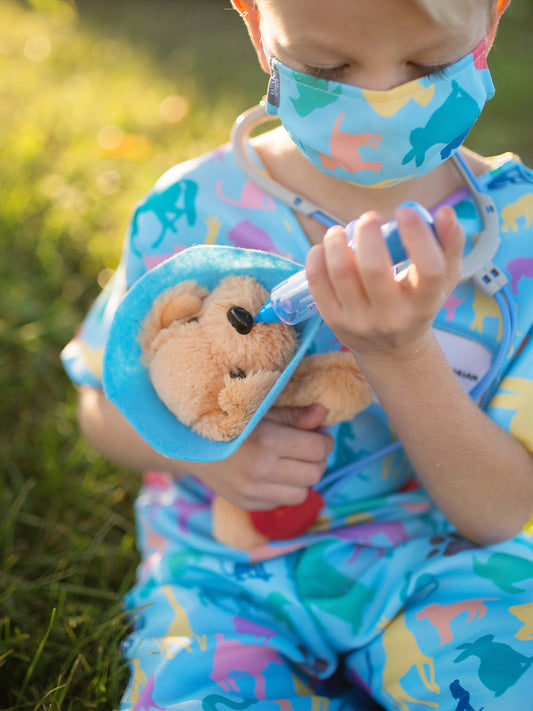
(380, 138)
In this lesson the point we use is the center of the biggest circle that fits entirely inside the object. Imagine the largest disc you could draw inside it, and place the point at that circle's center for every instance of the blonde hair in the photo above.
(449, 13)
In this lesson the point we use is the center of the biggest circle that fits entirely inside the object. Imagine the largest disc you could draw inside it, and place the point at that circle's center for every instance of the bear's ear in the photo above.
(179, 303)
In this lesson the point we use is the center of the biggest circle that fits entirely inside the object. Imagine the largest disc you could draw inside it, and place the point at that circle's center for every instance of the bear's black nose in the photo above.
(241, 320)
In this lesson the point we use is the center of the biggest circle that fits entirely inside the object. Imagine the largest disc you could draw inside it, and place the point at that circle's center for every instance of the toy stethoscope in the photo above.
(477, 264)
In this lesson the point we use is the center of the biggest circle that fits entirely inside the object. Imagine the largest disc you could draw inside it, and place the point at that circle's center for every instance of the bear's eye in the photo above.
(194, 319)
(237, 373)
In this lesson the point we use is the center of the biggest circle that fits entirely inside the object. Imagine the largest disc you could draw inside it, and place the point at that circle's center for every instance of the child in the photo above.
(417, 587)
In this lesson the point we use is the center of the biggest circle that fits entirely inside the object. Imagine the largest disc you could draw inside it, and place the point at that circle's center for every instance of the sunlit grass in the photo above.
(97, 99)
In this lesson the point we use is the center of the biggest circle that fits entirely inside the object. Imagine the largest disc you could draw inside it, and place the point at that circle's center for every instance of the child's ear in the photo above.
(252, 19)
(497, 10)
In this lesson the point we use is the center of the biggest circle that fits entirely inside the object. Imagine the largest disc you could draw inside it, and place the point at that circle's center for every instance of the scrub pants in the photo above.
(358, 619)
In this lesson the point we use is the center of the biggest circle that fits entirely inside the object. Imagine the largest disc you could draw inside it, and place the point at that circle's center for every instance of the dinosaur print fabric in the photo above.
(378, 138)
(381, 604)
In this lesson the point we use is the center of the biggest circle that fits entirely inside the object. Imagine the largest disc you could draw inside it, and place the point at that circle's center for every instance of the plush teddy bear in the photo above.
(212, 366)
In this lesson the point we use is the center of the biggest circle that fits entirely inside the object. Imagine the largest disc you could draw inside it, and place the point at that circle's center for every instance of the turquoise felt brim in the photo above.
(126, 381)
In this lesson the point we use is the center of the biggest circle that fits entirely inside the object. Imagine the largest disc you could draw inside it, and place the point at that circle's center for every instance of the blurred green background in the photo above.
(97, 99)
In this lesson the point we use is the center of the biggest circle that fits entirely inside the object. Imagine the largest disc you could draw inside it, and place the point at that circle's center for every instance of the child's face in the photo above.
(373, 44)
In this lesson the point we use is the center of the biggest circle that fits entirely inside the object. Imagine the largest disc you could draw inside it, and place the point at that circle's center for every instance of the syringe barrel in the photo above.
(292, 300)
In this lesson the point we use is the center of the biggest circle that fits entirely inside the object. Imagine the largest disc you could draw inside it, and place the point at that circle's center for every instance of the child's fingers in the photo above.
(374, 263)
(303, 418)
(436, 260)
(429, 252)
(359, 287)
(289, 443)
(451, 238)
(319, 280)
(343, 269)
(276, 465)
(420, 242)
(333, 276)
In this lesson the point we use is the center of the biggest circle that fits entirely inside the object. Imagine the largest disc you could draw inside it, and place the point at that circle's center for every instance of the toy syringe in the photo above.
(291, 301)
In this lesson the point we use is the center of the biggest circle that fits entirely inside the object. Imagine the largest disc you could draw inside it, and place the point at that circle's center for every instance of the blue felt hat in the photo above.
(126, 380)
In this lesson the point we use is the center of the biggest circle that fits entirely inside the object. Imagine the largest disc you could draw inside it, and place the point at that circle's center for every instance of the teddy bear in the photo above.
(211, 364)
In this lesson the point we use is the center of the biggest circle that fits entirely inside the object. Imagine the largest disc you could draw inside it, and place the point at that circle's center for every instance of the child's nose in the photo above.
(378, 79)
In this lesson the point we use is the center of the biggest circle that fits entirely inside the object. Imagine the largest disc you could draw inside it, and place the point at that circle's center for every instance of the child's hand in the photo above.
(369, 309)
(276, 464)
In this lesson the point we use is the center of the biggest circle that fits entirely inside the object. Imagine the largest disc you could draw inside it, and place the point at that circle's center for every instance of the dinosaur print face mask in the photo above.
(380, 138)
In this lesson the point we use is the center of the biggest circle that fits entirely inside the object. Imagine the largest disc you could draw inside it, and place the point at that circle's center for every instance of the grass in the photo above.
(97, 98)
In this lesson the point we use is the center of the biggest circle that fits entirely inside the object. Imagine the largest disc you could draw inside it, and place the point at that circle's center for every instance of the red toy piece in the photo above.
(288, 521)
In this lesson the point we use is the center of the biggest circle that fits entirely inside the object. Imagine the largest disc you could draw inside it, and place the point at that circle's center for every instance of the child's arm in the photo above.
(478, 475)
(274, 466)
